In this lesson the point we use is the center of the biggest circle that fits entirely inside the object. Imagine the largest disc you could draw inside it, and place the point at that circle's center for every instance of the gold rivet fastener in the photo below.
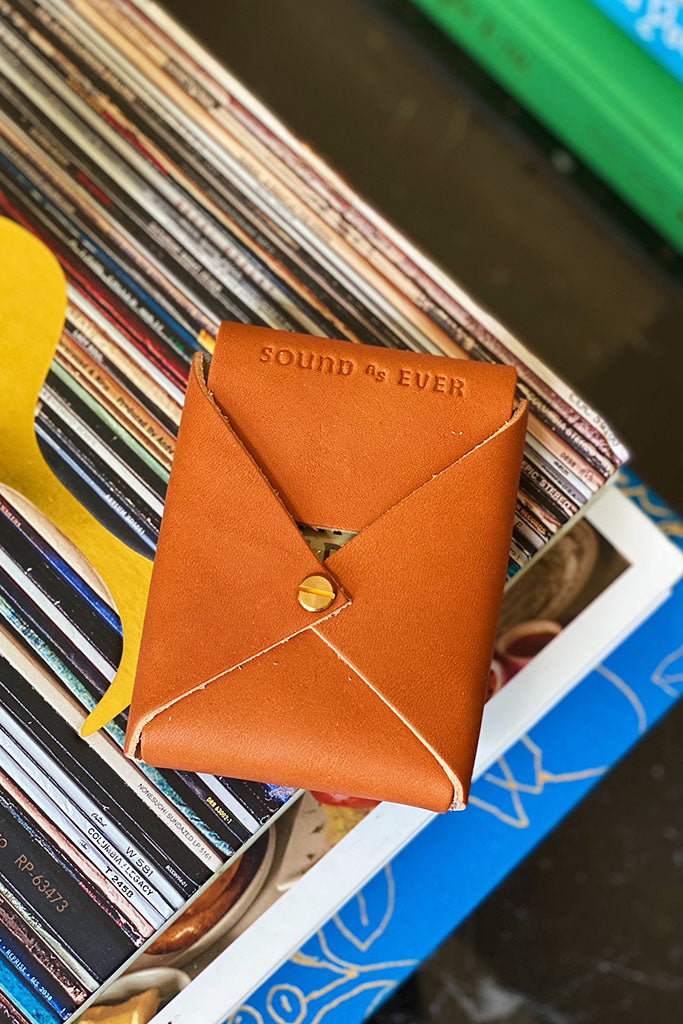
(316, 593)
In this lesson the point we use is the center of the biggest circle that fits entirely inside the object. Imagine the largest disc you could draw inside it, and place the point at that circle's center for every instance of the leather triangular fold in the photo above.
(445, 552)
(301, 709)
(228, 563)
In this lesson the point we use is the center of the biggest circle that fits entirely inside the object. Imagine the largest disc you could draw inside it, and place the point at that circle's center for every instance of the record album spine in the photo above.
(55, 892)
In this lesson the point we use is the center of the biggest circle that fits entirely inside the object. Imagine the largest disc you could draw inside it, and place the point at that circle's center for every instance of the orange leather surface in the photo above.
(380, 695)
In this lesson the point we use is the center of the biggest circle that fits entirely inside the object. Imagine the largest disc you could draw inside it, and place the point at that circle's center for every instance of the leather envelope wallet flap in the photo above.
(380, 695)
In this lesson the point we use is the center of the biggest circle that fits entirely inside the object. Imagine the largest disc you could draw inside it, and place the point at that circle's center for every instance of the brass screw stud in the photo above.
(316, 593)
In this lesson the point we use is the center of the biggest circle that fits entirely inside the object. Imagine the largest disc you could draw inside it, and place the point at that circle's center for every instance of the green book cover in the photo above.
(591, 85)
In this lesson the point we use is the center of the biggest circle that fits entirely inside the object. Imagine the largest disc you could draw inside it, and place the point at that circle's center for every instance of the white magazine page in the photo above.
(652, 566)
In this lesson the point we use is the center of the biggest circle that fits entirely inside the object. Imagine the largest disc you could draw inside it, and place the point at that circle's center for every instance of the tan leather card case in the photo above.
(380, 694)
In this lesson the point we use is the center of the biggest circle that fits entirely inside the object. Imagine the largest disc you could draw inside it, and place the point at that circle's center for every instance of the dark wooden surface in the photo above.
(589, 929)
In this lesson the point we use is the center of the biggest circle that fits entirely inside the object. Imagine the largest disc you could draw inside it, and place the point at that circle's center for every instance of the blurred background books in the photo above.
(656, 25)
(611, 99)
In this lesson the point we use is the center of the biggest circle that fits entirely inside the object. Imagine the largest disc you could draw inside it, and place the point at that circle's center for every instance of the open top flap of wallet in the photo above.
(345, 431)
(228, 552)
